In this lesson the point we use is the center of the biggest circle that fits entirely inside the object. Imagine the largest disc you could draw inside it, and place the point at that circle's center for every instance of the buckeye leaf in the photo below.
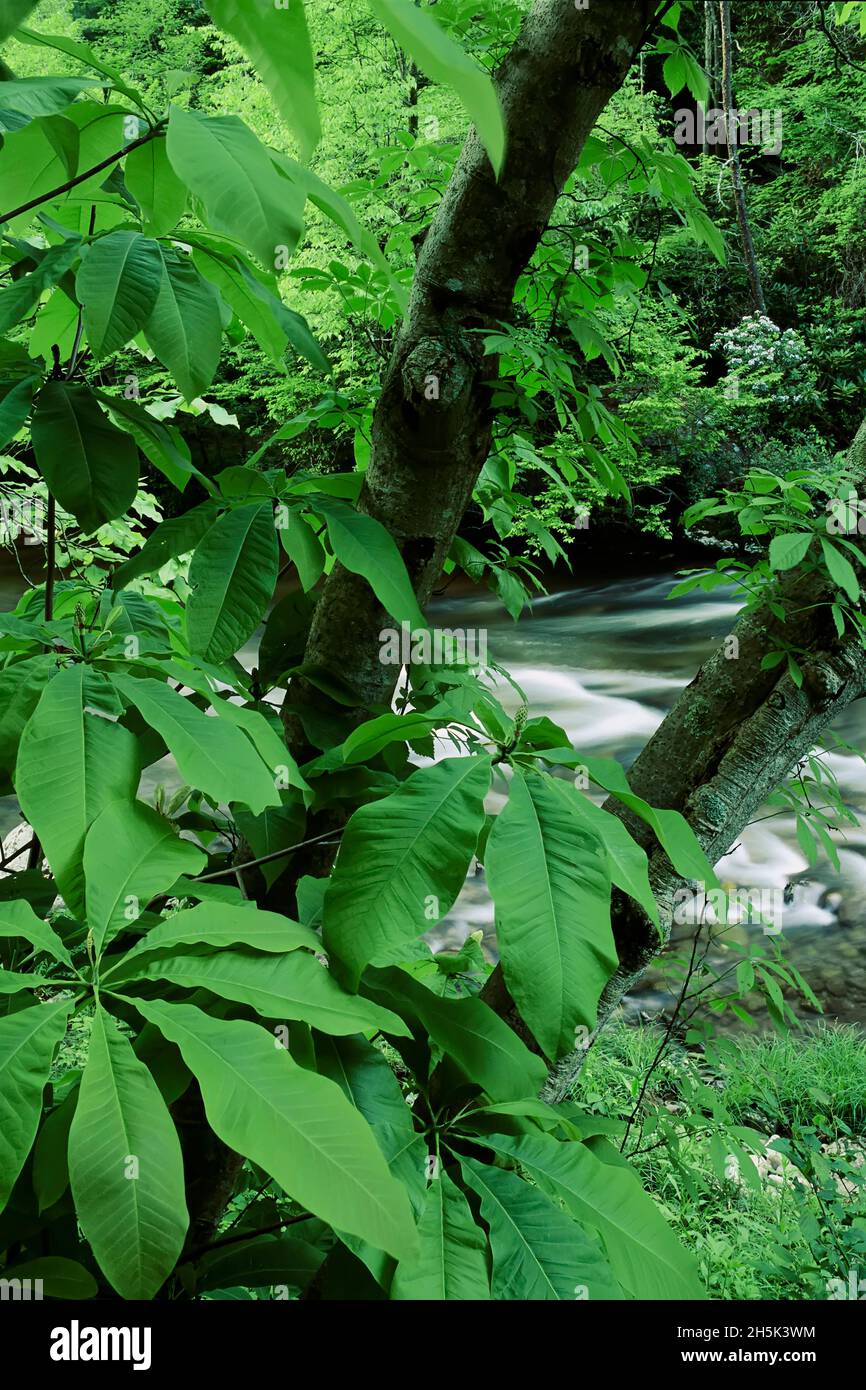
(218, 924)
(90, 466)
(474, 1037)
(13, 13)
(276, 41)
(130, 855)
(15, 407)
(211, 754)
(364, 546)
(19, 919)
(118, 284)
(539, 1253)
(27, 1042)
(294, 1124)
(21, 296)
(231, 173)
(451, 1263)
(443, 60)
(177, 535)
(185, 327)
(232, 579)
(644, 1253)
(548, 877)
(402, 862)
(292, 986)
(125, 1167)
(71, 765)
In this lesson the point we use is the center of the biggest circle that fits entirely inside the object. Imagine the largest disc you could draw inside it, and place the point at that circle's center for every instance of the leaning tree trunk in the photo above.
(432, 425)
(734, 734)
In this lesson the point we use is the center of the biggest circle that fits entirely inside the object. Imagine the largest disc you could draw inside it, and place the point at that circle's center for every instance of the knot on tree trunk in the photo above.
(438, 374)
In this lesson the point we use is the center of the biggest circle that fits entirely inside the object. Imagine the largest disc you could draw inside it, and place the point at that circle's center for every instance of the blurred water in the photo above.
(606, 660)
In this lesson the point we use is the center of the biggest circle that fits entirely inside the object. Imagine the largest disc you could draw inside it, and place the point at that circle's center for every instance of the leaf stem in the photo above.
(82, 178)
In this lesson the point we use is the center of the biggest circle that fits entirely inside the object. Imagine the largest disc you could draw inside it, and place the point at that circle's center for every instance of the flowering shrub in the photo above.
(768, 362)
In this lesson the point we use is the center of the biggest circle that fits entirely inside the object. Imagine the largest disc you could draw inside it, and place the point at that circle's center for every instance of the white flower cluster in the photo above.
(770, 361)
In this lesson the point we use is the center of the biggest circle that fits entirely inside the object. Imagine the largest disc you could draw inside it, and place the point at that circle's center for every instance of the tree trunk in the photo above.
(432, 424)
(711, 61)
(734, 734)
(755, 286)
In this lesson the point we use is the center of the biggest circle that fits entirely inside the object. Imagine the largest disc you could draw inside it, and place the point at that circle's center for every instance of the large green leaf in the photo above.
(130, 855)
(211, 754)
(13, 13)
(117, 285)
(296, 1125)
(15, 407)
(82, 54)
(443, 60)
(276, 41)
(789, 549)
(363, 546)
(294, 325)
(185, 328)
(292, 986)
(125, 1167)
(57, 1277)
(841, 570)
(675, 835)
(177, 535)
(227, 274)
(269, 1260)
(32, 166)
(270, 744)
(451, 1264)
(151, 180)
(478, 1040)
(21, 686)
(303, 548)
(27, 1042)
(19, 919)
(70, 766)
(548, 878)
(232, 578)
(402, 862)
(539, 1253)
(89, 465)
(230, 172)
(50, 1166)
(218, 924)
(160, 442)
(21, 296)
(367, 1080)
(42, 96)
(627, 861)
(644, 1253)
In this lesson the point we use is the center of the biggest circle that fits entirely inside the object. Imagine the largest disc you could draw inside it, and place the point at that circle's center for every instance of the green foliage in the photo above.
(378, 1102)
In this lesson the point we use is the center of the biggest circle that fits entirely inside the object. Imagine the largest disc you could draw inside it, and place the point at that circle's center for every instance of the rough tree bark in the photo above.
(734, 734)
(755, 286)
(429, 445)
(432, 424)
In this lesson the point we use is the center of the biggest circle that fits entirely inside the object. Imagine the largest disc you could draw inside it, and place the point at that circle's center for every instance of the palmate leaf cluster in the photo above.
(123, 226)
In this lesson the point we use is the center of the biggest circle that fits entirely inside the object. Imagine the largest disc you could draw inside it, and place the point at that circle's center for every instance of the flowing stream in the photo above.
(606, 660)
